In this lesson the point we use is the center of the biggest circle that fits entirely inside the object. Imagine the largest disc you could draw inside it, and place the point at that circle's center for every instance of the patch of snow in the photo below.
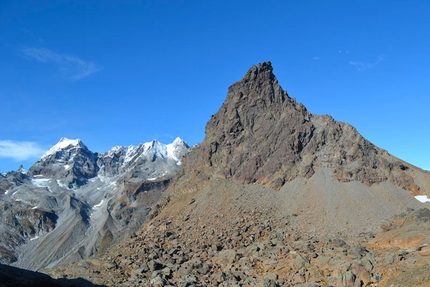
(103, 178)
(98, 205)
(154, 178)
(171, 148)
(36, 207)
(115, 150)
(4, 173)
(7, 191)
(62, 185)
(66, 166)
(131, 153)
(174, 148)
(41, 182)
(422, 198)
(34, 238)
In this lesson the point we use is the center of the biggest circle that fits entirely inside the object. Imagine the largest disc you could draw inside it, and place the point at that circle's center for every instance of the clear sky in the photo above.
(125, 72)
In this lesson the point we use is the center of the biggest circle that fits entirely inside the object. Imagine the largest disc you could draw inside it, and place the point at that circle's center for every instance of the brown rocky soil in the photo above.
(247, 249)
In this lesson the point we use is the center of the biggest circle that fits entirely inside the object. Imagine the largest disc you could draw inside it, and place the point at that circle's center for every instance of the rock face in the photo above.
(73, 203)
(68, 160)
(261, 135)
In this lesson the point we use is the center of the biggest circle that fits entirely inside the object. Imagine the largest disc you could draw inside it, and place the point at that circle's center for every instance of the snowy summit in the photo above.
(64, 143)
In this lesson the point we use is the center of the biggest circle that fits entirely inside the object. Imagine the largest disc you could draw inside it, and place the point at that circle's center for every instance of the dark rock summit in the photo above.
(261, 135)
(320, 168)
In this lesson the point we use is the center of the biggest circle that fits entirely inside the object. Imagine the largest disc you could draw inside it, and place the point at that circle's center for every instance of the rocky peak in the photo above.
(258, 86)
(177, 149)
(261, 135)
(68, 160)
(65, 144)
(178, 142)
(21, 169)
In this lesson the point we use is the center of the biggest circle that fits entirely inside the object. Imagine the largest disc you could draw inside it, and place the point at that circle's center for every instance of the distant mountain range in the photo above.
(73, 203)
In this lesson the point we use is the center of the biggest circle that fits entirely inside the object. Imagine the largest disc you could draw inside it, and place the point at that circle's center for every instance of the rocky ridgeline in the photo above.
(261, 135)
(73, 164)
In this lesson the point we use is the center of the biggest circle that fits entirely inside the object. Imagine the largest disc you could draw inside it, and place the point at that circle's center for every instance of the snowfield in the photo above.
(422, 198)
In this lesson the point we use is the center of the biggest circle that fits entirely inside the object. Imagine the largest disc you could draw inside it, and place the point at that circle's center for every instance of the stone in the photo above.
(157, 281)
(271, 276)
(154, 265)
(299, 262)
(227, 256)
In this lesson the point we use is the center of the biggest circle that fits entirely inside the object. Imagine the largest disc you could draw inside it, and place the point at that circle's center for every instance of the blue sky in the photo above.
(125, 72)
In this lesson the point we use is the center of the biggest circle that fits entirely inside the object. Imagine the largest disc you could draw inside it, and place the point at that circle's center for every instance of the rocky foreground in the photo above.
(252, 251)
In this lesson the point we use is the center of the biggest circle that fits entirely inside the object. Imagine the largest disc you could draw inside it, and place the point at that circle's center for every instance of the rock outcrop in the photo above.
(261, 135)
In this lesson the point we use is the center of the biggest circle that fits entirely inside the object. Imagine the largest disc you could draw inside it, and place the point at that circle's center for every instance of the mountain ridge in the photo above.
(73, 203)
(257, 110)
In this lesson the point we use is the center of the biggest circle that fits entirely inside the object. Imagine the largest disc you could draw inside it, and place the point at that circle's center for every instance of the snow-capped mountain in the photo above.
(69, 161)
(73, 203)
(73, 164)
(146, 161)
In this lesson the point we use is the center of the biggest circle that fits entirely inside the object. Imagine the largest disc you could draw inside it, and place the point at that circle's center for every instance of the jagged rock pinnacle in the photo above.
(258, 86)
(261, 135)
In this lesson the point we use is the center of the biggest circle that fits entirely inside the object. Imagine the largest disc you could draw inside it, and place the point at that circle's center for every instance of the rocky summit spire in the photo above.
(261, 135)
(259, 86)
